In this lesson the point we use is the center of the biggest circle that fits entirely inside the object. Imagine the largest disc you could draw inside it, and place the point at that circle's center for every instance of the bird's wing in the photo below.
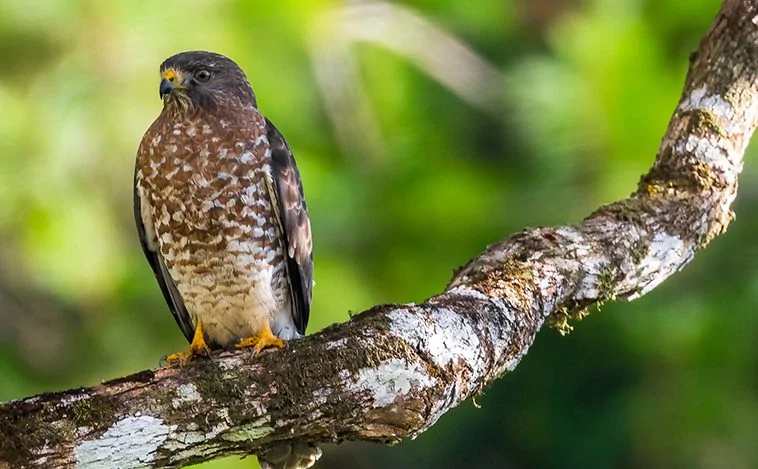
(292, 214)
(149, 240)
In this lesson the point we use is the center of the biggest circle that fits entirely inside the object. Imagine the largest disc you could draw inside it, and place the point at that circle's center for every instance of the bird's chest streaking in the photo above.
(208, 189)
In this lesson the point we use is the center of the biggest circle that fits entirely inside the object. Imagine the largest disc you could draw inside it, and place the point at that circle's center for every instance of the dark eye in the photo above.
(202, 75)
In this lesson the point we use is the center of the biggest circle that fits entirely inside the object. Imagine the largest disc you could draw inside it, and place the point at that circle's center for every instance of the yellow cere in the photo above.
(169, 75)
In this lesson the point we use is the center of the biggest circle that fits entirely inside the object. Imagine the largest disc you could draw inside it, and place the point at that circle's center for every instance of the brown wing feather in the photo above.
(149, 242)
(293, 217)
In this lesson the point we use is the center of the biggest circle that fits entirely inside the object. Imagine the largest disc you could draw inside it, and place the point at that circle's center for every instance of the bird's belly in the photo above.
(228, 266)
(231, 295)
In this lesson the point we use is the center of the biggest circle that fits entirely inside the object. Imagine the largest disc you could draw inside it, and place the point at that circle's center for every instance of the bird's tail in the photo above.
(290, 455)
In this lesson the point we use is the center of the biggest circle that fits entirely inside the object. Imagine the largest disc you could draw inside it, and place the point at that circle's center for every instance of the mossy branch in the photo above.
(391, 372)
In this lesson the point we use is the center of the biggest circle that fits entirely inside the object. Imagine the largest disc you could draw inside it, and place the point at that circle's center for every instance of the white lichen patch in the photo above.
(181, 440)
(339, 343)
(449, 339)
(502, 336)
(590, 285)
(549, 290)
(701, 100)
(703, 149)
(192, 441)
(446, 348)
(216, 430)
(129, 444)
(230, 363)
(319, 397)
(593, 267)
(666, 255)
(223, 414)
(715, 152)
(68, 400)
(185, 394)
(721, 109)
(572, 234)
(389, 381)
(250, 431)
(189, 438)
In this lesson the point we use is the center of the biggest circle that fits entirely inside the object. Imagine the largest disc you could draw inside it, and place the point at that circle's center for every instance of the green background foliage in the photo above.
(581, 96)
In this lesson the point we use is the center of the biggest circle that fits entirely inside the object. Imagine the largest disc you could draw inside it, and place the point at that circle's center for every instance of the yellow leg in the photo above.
(263, 339)
(197, 347)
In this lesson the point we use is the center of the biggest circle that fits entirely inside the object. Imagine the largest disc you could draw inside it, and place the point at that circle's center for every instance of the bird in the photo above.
(222, 218)
(220, 211)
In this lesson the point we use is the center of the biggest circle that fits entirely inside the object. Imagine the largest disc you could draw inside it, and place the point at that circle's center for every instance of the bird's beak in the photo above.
(165, 88)
(170, 80)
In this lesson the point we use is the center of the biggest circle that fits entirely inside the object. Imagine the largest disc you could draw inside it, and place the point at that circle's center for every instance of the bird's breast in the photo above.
(208, 188)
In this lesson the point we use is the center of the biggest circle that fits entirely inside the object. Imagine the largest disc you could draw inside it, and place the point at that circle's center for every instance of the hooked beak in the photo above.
(171, 79)
(165, 88)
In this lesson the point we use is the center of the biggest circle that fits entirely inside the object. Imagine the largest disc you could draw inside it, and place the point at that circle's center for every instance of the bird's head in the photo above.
(203, 80)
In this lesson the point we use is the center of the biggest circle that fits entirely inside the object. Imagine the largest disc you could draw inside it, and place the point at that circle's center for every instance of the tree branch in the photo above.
(392, 371)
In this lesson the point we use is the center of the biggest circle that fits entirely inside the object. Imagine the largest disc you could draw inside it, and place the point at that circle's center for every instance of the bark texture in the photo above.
(392, 371)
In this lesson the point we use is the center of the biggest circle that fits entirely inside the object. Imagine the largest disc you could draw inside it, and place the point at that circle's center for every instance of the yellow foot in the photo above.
(198, 347)
(263, 339)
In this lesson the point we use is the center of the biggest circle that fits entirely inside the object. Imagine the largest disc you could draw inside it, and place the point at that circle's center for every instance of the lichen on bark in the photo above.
(391, 372)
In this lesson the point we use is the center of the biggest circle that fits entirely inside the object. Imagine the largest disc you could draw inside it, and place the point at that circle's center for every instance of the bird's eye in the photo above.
(202, 75)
